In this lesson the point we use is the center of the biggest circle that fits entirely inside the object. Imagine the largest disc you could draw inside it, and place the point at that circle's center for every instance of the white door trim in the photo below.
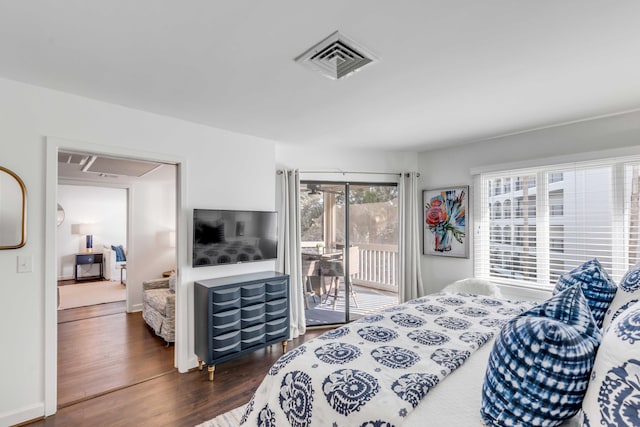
(53, 145)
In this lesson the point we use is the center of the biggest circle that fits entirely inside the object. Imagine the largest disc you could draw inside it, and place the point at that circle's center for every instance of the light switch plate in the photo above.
(25, 263)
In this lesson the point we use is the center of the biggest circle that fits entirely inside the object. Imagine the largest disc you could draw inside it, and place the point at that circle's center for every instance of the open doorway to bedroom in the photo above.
(91, 245)
(116, 229)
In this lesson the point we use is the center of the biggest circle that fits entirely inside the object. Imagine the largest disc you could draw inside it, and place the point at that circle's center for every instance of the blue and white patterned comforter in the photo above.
(375, 371)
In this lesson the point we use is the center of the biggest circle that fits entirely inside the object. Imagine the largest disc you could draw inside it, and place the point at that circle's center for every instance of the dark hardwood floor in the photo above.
(120, 353)
(103, 348)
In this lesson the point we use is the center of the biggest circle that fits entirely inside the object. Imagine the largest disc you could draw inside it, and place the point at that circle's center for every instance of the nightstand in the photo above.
(88, 259)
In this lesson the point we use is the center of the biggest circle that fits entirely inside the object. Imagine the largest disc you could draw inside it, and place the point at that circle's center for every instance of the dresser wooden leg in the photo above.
(211, 369)
(284, 346)
(200, 364)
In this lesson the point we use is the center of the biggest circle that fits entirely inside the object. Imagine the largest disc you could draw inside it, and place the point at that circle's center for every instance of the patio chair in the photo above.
(310, 269)
(335, 270)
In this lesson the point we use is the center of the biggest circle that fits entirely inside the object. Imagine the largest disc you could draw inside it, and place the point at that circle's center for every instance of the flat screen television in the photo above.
(232, 237)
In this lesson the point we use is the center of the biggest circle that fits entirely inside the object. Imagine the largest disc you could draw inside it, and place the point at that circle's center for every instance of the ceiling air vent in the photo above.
(336, 57)
(72, 158)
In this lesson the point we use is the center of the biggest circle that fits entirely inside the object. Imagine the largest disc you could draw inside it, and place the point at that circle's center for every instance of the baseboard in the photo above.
(136, 308)
(22, 415)
(192, 363)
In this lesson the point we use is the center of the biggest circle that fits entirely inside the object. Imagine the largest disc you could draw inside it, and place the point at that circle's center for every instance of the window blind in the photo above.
(532, 225)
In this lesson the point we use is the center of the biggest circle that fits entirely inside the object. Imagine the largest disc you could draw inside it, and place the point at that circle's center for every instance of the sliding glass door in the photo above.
(349, 249)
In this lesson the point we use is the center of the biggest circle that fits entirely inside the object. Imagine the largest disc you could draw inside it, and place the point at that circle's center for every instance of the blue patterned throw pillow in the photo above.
(627, 295)
(120, 255)
(596, 285)
(540, 364)
(613, 395)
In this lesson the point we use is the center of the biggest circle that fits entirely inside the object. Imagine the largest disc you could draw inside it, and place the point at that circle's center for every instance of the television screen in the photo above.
(231, 237)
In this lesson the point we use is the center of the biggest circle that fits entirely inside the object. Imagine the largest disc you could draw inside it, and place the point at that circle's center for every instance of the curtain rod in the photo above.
(352, 172)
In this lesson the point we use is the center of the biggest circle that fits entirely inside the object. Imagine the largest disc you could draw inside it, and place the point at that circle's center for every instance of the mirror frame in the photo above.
(60, 215)
(23, 227)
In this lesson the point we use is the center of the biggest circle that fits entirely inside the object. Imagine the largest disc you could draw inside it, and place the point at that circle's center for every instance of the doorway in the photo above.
(349, 239)
(105, 347)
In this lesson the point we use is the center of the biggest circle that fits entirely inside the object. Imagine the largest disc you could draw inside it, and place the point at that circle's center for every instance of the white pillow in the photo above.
(475, 286)
(613, 393)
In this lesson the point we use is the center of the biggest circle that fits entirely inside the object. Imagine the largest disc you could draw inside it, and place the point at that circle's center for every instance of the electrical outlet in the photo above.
(25, 263)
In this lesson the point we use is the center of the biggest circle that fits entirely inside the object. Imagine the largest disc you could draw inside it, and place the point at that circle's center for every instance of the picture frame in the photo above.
(445, 222)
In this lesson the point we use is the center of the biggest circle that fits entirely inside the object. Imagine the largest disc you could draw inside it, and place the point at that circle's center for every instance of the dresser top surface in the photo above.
(241, 278)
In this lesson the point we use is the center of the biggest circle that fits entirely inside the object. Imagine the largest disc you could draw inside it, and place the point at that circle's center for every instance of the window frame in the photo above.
(483, 223)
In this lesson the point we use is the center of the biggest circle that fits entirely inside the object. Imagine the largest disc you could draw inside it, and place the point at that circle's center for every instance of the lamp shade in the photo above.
(83, 229)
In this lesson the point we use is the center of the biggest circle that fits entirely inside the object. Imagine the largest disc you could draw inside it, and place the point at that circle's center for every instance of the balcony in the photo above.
(375, 286)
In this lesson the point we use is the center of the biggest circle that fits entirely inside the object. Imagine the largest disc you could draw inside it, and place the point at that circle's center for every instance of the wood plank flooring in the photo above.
(164, 397)
(106, 349)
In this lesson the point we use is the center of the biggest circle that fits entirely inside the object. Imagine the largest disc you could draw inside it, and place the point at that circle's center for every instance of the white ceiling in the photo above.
(449, 71)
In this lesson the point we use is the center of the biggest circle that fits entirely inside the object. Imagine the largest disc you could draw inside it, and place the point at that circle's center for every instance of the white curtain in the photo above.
(289, 258)
(410, 227)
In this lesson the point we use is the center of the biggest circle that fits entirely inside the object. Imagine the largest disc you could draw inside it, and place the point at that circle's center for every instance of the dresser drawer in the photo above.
(276, 305)
(223, 295)
(251, 321)
(272, 315)
(276, 325)
(88, 258)
(253, 342)
(252, 290)
(253, 311)
(253, 332)
(219, 352)
(226, 317)
(276, 286)
(276, 295)
(226, 305)
(279, 334)
(226, 340)
(255, 299)
(221, 329)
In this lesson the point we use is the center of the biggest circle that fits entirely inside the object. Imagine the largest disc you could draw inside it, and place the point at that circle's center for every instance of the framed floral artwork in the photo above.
(445, 223)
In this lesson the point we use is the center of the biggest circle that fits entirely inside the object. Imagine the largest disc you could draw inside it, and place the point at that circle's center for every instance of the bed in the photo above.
(458, 358)
(376, 371)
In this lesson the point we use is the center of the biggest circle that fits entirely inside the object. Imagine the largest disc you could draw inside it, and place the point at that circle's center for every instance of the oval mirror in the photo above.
(13, 203)
(60, 217)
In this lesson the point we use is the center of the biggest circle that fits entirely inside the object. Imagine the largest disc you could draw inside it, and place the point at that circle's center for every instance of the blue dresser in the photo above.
(238, 314)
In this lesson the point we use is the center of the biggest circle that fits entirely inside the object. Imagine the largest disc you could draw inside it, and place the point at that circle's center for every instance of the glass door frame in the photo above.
(330, 226)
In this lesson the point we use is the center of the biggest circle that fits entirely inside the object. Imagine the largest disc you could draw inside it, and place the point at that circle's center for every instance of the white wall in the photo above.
(104, 207)
(220, 169)
(336, 159)
(578, 141)
(153, 216)
(217, 169)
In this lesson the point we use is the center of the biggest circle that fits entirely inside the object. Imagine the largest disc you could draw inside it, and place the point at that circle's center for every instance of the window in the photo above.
(507, 185)
(556, 238)
(506, 234)
(556, 202)
(578, 212)
(555, 177)
(526, 207)
(497, 210)
(507, 209)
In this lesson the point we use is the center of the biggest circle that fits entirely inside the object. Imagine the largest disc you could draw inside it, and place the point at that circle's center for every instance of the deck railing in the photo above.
(377, 267)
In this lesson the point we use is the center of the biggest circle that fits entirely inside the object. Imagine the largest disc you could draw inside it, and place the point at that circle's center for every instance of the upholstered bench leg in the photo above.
(200, 364)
